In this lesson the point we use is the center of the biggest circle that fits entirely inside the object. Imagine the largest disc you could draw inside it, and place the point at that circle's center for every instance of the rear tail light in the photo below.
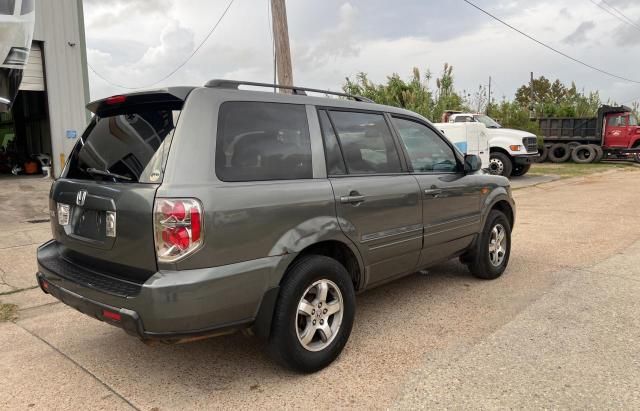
(63, 214)
(178, 227)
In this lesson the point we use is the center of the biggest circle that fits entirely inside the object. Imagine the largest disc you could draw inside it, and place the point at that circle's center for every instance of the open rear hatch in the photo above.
(104, 200)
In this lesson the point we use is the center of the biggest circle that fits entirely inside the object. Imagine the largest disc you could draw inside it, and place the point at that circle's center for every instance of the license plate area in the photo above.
(90, 224)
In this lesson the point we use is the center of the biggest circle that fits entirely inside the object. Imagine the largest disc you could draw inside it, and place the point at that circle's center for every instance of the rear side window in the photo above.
(366, 141)
(263, 141)
(131, 146)
(7, 7)
(335, 164)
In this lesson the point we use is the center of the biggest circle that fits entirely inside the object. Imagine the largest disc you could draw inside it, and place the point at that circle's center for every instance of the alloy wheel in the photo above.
(319, 315)
(497, 245)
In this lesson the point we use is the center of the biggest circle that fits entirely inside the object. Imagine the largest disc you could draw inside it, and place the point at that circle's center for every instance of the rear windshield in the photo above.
(131, 146)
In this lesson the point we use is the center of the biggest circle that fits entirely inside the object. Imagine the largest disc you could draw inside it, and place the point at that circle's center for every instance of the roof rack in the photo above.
(233, 84)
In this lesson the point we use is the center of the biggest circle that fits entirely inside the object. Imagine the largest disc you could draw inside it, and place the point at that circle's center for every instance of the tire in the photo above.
(636, 158)
(572, 145)
(303, 281)
(544, 153)
(520, 169)
(583, 154)
(599, 153)
(500, 164)
(559, 153)
(484, 263)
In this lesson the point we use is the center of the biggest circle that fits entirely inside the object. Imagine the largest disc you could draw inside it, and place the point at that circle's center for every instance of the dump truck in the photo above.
(613, 134)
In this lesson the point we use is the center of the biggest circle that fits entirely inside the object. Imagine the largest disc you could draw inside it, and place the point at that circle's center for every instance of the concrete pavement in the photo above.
(556, 331)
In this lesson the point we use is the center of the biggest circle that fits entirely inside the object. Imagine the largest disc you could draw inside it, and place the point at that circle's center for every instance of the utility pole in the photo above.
(532, 112)
(489, 102)
(281, 39)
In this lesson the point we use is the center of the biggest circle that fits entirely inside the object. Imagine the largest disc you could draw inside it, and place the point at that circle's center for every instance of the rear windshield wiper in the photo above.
(95, 171)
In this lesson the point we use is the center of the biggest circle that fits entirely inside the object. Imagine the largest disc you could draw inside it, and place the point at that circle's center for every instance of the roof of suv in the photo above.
(298, 95)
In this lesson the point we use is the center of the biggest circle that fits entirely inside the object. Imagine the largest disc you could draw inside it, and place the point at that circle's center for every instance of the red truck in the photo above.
(613, 134)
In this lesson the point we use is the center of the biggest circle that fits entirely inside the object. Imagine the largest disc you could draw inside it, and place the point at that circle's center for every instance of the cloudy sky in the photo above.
(134, 43)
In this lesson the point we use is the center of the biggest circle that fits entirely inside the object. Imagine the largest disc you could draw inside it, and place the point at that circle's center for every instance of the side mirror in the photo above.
(472, 163)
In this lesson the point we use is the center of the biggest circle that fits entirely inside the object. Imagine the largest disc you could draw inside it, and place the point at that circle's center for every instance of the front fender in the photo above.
(500, 193)
(504, 142)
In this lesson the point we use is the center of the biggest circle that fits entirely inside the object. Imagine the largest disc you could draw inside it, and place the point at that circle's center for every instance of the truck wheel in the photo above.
(314, 314)
(559, 153)
(544, 153)
(500, 164)
(599, 153)
(520, 169)
(637, 158)
(572, 145)
(490, 255)
(583, 154)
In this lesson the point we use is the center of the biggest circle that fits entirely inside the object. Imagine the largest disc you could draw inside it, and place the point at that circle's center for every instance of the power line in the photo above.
(621, 14)
(174, 71)
(551, 48)
(614, 15)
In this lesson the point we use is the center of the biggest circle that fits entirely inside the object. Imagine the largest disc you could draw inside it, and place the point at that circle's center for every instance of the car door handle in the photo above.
(433, 192)
(352, 199)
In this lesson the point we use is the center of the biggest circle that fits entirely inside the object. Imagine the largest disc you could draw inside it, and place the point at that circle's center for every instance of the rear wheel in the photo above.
(490, 255)
(520, 169)
(314, 314)
(559, 153)
(500, 164)
(544, 153)
(599, 153)
(583, 154)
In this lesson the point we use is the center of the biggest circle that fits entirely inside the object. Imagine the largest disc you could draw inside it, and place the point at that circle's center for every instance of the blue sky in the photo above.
(135, 43)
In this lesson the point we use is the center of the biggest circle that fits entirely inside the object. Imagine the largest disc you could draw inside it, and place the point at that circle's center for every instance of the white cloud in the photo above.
(137, 42)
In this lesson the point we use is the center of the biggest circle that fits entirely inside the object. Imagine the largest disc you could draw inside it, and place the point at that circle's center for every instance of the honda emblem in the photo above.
(80, 197)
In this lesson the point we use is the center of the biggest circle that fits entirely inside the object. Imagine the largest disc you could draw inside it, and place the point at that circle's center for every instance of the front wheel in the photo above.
(314, 314)
(520, 169)
(500, 164)
(490, 255)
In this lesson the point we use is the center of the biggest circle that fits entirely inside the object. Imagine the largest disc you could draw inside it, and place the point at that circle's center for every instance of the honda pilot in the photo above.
(188, 212)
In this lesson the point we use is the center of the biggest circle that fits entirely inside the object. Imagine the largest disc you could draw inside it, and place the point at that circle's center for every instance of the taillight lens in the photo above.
(178, 227)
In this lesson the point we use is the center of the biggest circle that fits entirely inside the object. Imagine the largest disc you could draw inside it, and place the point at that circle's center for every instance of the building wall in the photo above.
(60, 28)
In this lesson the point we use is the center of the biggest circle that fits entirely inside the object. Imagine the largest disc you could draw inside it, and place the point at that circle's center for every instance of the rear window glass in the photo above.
(128, 147)
(366, 142)
(263, 141)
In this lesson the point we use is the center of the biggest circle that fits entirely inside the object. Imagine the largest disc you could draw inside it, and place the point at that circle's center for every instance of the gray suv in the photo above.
(189, 212)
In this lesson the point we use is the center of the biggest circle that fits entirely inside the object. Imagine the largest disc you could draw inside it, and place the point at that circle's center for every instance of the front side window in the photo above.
(263, 141)
(487, 121)
(616, 121)
(633, 121)
(366, 141)
(427, 151)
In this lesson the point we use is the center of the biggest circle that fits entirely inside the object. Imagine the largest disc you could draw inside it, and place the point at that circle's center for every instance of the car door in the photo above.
(450, 197)
(616, 131)
(377, 201)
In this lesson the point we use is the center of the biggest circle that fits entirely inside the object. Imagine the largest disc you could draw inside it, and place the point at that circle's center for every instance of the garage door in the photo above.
(33, 76)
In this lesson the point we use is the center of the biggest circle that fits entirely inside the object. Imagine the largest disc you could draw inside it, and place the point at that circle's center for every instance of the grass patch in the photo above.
(8, 312)
(567, 170)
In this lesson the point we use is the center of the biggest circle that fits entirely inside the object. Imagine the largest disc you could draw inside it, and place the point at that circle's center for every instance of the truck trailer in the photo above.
(613, 134)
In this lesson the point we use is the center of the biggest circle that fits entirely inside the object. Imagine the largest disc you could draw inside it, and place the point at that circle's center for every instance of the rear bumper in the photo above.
(170, 305)
(526, 158)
